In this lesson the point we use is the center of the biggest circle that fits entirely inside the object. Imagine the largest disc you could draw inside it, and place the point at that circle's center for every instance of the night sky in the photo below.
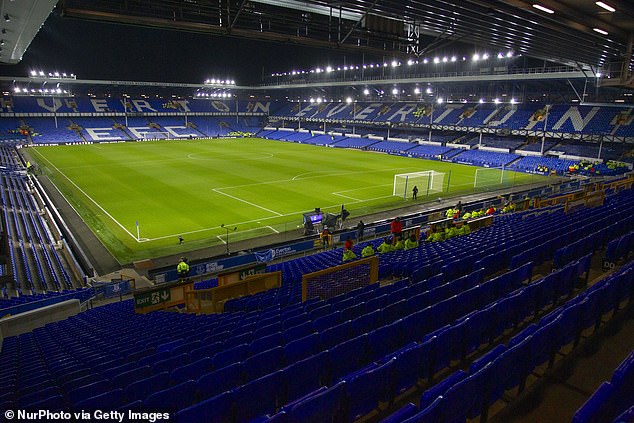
(95, 50)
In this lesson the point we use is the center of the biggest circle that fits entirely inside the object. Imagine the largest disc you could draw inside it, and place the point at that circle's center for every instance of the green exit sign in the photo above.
(148, 299)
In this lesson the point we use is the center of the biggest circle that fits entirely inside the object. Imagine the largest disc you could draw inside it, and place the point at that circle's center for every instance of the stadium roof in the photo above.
(19, 23)
(567, 31)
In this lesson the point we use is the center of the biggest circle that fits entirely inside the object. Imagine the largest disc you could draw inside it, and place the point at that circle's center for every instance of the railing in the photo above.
(329, 77)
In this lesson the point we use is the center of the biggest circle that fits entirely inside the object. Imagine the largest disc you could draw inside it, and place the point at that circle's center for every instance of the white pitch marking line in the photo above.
(273, 229)
(89, 197)
(245, 201)
(221, 240)
(345, 196)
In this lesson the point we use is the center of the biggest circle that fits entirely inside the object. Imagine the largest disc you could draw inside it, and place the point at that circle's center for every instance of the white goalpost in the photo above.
(428, 181)
(490, 177)
(156, 135)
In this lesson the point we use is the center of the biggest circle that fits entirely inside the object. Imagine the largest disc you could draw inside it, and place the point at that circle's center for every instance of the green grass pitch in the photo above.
(191, 187)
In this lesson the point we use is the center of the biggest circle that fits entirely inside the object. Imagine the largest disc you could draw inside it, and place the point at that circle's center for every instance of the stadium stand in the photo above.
(352, 344)
(484, 158)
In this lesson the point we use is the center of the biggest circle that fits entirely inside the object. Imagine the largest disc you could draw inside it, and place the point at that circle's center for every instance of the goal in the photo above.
(491, 177)
(155, 135)
(427, 182)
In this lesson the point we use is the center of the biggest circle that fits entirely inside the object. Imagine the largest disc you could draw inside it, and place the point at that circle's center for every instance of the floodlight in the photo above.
(319, 100)
(481, 101)
(416, 90)
(345, 68)
(496, 100)
(476, 57)
(600, 31)
(395, 91)
(513, 101)
(329, 69)
(509, 54)
(605, 6)
(33, 73)
(436, 60)
(500, 56)
(349, 100)
(485, 56)
(428, 90)
(599, 74)
(394, 63)
(440, 100)
(366, 92)
(16, 89)
(410, 62)
(543, 8)
(453, 58)
(445, 59)
(56, 74)
(425, 60)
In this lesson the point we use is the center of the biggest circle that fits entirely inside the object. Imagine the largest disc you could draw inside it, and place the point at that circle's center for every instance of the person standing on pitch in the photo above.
(414, 192)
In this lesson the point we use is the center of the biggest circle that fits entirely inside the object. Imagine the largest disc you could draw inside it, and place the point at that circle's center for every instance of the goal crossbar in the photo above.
(428, 181)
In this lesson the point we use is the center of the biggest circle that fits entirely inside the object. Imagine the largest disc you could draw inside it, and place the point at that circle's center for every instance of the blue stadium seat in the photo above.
(217, 409)
(191, 371)
(263, 363)
(323, 407)
(405, 412)
(110, 400)
(257, 397)
(304, 376)
(348, 356)
(220, 380)
(173, 398)
(301, 348)
(365, 390)
(140, 390)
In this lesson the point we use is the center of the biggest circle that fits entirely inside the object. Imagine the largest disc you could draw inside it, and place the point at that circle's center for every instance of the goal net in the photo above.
(427, 182)
(340, 279)
(491, 177)
(155, 135)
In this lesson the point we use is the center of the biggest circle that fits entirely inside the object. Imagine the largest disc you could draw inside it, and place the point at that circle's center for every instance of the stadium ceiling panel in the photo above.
(20, 20)
(567, 31)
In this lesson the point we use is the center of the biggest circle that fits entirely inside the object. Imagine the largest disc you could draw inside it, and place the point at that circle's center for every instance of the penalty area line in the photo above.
(88, 197)
(246, 202)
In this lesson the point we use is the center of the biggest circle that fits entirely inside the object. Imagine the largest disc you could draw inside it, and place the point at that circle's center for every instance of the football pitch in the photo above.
(139, 197)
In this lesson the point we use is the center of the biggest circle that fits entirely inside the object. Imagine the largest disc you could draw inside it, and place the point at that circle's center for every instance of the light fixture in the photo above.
(496, 100)
(605, 6)
(436, 60)
(366, 92)
(440, 100)
(600, 31)
(394, 63)
(476, 57)
(395, 91)
(349, 100)
(416, 90)
(428, 90)
(543, 8)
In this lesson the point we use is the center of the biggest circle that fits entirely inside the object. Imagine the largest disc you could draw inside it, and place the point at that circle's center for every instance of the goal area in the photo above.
(155, 135)
(427, 182)
(491, 177)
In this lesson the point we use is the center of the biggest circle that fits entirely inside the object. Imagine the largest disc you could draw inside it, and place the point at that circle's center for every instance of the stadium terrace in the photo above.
(418, 222)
